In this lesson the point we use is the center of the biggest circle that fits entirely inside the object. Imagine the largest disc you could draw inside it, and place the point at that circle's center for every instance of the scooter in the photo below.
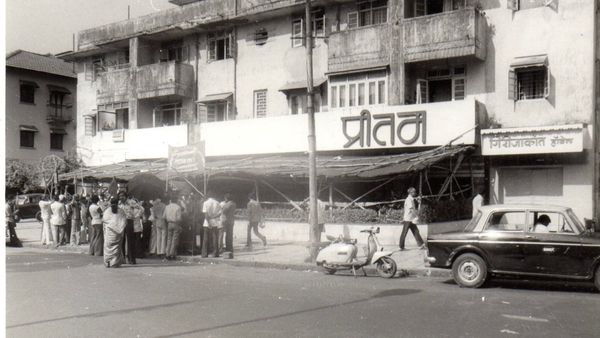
(341, 255)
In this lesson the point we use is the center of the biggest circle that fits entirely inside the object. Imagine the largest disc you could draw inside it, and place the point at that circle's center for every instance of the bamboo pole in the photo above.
(294, 204)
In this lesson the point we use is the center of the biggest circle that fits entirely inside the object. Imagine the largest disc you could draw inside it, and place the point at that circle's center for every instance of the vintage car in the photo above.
(508, 240)
(28, 206)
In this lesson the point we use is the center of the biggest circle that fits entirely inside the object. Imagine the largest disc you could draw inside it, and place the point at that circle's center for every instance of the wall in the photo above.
(18, 113)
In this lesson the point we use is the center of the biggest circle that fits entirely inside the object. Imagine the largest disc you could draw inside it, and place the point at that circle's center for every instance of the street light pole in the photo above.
(312, 148)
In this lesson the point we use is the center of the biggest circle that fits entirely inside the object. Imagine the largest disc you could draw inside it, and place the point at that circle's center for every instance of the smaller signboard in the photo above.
(188, 158)
(537, 140)
(118, 135)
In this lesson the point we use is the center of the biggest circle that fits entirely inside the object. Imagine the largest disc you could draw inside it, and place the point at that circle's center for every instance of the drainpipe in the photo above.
(234, 98)
(595, 120)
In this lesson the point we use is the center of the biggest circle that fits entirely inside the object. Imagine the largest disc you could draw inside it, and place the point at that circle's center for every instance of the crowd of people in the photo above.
(122, 229)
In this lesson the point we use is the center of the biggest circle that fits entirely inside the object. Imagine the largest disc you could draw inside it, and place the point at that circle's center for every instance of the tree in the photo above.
(21, 176)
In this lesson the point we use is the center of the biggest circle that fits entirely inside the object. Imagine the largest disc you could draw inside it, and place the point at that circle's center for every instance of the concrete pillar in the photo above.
(396, 79)
(134, 52)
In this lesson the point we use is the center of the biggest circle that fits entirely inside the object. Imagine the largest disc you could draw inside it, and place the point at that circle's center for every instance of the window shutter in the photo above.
(352, 20)
(231, 49)
(88, 71)
(458, 88)
(547, 84)
(90, 129)
(212, 50)
(512, 85)
(202, 113)
(422, 91)
(512, 5)
(298, 33)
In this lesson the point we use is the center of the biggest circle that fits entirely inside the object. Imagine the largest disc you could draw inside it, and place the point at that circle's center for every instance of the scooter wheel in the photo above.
(328, 269)
(386, 267)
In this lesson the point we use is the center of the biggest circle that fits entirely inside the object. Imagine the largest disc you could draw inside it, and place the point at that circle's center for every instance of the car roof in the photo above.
(524, 206)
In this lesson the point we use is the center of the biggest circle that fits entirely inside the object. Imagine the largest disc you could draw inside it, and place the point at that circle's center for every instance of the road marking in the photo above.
(526, 318)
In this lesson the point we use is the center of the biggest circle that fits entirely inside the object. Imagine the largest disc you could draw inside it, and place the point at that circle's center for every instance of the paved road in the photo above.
(52, 294)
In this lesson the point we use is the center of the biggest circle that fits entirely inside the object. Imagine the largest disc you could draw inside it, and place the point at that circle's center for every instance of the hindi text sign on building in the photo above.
(188, 158)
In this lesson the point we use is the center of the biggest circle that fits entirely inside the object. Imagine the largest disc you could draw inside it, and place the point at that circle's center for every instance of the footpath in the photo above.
(278, 254)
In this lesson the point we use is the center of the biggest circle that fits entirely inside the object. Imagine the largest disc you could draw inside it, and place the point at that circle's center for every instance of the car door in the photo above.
(501, 239)
(557, 252)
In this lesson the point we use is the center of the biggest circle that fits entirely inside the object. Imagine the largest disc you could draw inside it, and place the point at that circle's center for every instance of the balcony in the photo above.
(445, 35)
(359, 48)
(113, 86)
(59, 113)
(165, 79)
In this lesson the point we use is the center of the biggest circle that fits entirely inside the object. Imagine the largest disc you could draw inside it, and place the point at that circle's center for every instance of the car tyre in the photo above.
(597, 278)
(38, 216)
(469, 270)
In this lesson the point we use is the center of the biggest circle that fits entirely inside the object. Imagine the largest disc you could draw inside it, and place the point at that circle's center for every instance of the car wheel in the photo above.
(597, 278)
(469, 270)
(38, 216)
(330, 270)
(386, 267)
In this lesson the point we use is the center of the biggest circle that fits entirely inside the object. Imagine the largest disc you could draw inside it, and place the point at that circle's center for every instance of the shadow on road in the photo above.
(386, 293)
(536, 285)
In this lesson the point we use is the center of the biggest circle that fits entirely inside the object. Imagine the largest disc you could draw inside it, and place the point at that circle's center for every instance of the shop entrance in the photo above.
(530, 185)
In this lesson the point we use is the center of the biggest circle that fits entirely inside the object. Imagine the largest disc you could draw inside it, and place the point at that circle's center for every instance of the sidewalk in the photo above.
(276, 255)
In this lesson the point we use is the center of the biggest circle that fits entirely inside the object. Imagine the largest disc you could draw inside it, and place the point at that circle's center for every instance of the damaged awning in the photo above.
(286, 166)
(301, 84)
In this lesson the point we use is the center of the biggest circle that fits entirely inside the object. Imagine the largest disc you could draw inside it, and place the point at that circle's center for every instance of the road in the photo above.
(53, 294)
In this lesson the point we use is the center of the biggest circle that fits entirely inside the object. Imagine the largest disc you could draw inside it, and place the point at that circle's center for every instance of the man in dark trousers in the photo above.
(228, 220)
(133, 212)
(410, 219)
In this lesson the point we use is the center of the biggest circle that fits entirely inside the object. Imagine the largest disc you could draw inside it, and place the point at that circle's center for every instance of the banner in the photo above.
(188, 158)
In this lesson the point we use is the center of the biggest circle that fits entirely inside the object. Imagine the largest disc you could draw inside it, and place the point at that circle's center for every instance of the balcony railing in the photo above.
(165, 79)
(445, 35)
(358, 48)
(113, 86)
(59, 113)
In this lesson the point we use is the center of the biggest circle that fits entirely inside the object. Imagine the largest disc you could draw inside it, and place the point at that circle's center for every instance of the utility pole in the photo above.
(315, 234)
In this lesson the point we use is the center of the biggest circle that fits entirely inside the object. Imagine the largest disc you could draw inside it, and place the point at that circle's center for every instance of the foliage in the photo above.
(444, 210)
(21, 176)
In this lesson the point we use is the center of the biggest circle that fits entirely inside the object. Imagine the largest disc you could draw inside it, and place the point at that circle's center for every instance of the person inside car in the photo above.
(541, 225)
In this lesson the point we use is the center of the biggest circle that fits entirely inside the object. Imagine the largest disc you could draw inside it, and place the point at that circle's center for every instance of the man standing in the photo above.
(158, 211)
(227, 221)
(75, 221)
(58, 219)
(410, 219)
(478, 200)
(212, 223)
(254, 219)
(173, 216)
(46, 212)
(133, 212)
(9, 214)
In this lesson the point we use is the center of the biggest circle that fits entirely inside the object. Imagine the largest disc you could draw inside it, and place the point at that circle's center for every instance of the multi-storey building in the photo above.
(40, 106)
(514, 78)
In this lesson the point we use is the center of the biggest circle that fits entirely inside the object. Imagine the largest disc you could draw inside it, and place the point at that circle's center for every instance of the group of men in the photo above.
(63, 221)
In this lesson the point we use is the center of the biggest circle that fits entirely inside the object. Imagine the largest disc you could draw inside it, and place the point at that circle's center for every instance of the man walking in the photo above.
(173, 217)
(227, 221)
(58, 219)
(212, 223)
(254, 219)
(410, 219)
(478, 200)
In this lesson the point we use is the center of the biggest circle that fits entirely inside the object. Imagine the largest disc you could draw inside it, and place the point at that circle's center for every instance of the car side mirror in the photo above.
(591, 225)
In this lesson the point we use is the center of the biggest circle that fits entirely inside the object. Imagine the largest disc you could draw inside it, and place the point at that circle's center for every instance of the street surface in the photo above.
(53, 294)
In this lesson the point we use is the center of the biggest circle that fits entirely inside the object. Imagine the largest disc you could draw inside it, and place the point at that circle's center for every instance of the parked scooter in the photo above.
(341, 255)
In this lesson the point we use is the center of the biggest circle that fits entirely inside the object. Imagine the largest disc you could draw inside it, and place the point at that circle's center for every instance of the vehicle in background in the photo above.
(28, 206)
(537, 241)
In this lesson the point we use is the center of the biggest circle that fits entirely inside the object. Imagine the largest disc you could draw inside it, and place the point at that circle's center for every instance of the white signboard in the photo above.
(538, 140)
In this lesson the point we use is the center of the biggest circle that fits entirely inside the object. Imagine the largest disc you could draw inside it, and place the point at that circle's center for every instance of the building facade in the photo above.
(515, 78)
(40, 106)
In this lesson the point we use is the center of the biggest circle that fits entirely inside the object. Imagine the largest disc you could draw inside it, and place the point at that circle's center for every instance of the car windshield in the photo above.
(576, 223)
(471, 226)
(21, 200)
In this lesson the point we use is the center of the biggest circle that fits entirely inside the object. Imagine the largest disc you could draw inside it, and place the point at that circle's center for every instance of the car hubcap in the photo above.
(469, 271)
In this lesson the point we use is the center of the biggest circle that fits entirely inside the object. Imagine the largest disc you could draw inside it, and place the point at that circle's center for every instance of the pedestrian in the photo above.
(86, 236)
(147, 234)
(197, 219)
(114, 220)
(321, 206)
(67, 203)
(158, 210)
(75, 207)
(212, 223)
(97, 241)
(9, 213)
(133, 212)
(138, 234)
(173, 216)
(46, 212)
(58, 220)
(411, 218)
(228, 221)
(254, 219)
(478, 200)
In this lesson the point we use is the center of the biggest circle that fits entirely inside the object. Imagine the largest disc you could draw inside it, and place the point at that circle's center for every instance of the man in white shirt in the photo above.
(58, 219)
(410, 219)
(478, 200)
(541, 225)
(173, 217)
(212, 223)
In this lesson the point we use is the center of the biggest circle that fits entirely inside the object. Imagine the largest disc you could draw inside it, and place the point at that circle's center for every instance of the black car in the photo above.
(519, 240)
(28, 206)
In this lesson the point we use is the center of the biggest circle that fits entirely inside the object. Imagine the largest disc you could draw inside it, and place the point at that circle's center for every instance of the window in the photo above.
(90, 126)
(370, 12)
(216, 111)
(441, 85)
(458, 4)
(506, 221)
(260, 36)
(27, 91)
(27, 138)
(517, 5)
(98, 67)
(167, 115)
(176, 52)
(318, 27)
(428, 7)
(297, 33)
(56, 141)
(356, 90)
(122, 116)
(107, 115)
(531, 83)
(558, 223)
(220, 46)
(260, 103)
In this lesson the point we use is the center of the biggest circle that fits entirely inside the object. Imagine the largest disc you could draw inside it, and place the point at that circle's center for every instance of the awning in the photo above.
(215, 97)
(529, 61)
(31, 83)
(90, 113)
(58, 89)
(60, 131)
(375, 67)
(28, 128)
(301, 84)
(286, 166)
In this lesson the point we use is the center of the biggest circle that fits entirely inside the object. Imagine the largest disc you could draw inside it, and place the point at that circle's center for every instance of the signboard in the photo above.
(538, 140)
(118, 135)
(366, 128)
(188, 158)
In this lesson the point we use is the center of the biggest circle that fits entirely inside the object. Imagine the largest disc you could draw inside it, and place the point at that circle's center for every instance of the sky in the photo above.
(47, 26)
